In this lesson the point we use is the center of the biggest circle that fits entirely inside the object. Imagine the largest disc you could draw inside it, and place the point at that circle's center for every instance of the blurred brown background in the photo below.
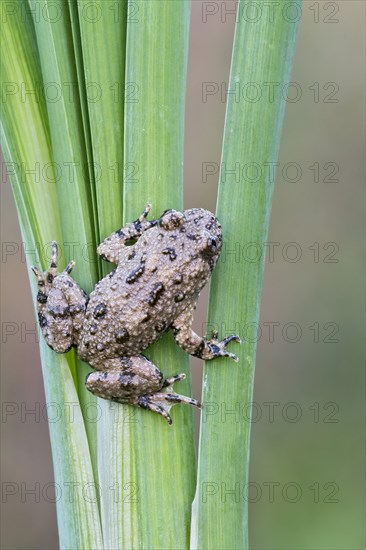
(308, 433)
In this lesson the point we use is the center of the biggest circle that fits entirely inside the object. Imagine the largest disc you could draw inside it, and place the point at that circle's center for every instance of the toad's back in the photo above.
(156, 279)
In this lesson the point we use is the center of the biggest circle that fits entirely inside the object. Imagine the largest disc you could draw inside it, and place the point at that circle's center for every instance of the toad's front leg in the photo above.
(136, 381)
(110, 249)
(193, 344)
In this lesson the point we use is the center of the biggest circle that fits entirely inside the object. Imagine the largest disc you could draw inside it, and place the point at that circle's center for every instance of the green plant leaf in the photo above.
(103, 38)
(78, 492)
(149, 463)
(262, 54)
(59, 72)
(67, 117)
(26, 143)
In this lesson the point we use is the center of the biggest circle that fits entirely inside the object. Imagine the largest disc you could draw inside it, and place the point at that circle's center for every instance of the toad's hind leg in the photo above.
(137, 381)
(61, 304)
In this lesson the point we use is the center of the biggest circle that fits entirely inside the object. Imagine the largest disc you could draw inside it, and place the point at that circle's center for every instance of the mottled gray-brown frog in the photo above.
(162, 265)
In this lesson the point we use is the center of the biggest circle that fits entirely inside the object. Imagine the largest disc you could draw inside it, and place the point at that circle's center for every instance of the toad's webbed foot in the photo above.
(137, 381)
(162, 402)
(217, 347)
(203, 348)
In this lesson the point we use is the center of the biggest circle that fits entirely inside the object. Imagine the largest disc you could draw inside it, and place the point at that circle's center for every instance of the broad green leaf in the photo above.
(149, 463)
(78, 491)
(83, 92)
(262, 53)
(103, 37)
(26, 143)
(57, 40)
(63, 100)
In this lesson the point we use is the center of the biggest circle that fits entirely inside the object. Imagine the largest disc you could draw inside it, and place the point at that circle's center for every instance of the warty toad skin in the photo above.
(162, 265)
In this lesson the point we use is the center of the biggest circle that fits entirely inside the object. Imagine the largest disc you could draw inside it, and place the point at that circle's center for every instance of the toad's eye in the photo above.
(212, 246)
(212, 243)
(171, 219)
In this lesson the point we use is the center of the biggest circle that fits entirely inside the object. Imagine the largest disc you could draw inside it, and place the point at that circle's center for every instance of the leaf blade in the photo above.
(153, 144)
(261, 53)
(26, 141)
